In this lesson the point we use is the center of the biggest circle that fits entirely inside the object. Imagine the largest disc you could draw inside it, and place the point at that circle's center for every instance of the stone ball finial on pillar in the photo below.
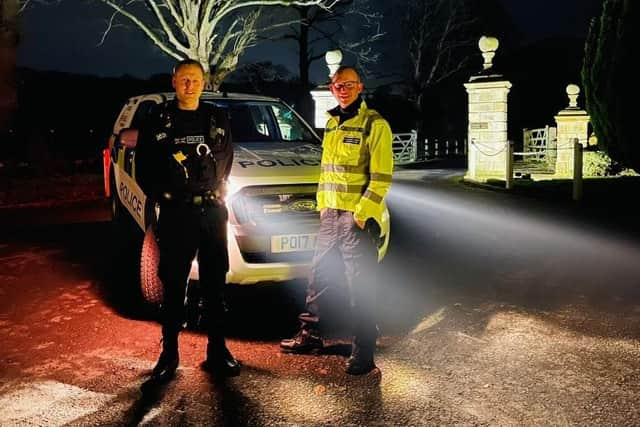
(573, 91)
(333, 59)
(488, 46)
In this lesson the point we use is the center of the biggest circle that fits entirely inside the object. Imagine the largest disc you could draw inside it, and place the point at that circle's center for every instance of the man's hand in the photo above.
(222, 190)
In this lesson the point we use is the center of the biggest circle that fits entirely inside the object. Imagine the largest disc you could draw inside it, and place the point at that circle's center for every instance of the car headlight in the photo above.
(237, 202)
(232, 188)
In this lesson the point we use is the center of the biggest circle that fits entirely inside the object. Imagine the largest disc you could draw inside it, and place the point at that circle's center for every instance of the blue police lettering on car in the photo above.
(266, 163)
(271, 163)
(131, 199)
(283, 162)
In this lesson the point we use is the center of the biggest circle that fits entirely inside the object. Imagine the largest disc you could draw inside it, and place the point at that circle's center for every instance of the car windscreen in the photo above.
(264, 121)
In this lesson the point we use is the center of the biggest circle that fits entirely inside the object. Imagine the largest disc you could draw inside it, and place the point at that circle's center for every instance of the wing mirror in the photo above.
(129, 137)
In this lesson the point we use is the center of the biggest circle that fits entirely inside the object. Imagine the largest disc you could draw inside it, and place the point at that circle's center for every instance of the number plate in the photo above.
(293, 243)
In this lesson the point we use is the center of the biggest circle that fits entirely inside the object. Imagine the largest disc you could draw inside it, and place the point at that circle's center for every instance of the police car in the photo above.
(273, 219)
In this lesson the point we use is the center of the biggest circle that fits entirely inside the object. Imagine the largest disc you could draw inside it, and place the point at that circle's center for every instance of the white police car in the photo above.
(272, 206)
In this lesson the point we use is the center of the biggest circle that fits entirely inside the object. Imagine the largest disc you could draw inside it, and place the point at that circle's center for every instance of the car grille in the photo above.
(260, 212)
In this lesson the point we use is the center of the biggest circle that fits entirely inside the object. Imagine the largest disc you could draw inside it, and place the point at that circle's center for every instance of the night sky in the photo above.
(65, 37)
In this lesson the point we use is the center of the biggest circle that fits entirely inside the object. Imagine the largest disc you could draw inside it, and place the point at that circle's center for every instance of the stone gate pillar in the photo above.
(572, 123)
(487, 130)
(322, 98)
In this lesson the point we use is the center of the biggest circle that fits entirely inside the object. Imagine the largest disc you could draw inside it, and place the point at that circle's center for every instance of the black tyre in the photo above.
(150, 283)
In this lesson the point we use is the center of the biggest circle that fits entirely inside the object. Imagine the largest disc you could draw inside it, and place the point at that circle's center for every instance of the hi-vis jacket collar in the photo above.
(357, 108)
(350, 112)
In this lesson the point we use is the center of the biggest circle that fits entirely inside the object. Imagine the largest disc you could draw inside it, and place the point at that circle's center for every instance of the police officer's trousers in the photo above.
(185, 230)
(358, 252)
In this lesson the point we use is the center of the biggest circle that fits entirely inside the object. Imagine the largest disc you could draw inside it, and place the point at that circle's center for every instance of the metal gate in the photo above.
(405, 148)
(539, 151)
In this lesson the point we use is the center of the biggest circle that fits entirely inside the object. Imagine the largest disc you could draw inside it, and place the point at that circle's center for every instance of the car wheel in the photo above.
(150, 283)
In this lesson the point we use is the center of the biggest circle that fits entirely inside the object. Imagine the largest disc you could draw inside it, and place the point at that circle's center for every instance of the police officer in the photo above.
(356, 170)
(183, 161)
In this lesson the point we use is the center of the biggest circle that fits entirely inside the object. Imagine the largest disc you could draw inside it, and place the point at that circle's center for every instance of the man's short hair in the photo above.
(186, 62)
(344, 68)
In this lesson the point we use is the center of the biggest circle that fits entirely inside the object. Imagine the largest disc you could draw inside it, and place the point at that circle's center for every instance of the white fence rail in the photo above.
(406, 149)
(444, 147)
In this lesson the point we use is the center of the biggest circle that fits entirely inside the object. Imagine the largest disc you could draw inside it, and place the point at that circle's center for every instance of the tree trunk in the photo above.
(421, 154)
(303, 49)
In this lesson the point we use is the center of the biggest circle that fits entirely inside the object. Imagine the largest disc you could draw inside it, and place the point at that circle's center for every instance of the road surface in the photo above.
(493, 310)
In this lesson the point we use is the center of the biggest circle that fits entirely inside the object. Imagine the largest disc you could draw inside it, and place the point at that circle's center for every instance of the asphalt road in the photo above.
(494, 310)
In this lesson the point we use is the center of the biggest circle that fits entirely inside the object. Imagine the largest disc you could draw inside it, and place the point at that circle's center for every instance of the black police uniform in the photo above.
(182, 161)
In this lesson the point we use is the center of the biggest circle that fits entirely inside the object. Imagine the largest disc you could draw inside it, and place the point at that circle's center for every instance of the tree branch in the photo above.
(156, 40)
(174, 12)
(230, 7)
(166, 27)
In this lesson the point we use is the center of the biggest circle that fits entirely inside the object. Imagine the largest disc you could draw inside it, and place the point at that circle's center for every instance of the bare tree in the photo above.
(440, 36)
(214, 32)
(258, 74)
(316, 29)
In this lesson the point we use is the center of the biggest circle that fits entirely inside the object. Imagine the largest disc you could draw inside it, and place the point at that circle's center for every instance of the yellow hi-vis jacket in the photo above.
(357, 165)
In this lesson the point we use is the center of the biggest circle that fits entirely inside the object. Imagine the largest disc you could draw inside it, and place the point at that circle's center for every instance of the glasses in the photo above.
(349, 85)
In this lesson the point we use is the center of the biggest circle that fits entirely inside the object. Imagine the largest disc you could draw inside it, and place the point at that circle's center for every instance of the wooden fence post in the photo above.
(508, 181)
(577, 169)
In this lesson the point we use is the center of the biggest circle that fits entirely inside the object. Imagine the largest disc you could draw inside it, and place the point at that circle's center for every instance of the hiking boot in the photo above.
(168, 360)
(221, 364)
(304, 342)
(166, 366)
(361, 360)
(359, 366)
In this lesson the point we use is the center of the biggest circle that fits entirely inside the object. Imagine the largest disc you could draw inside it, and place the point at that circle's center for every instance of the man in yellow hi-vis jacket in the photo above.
(356, 170)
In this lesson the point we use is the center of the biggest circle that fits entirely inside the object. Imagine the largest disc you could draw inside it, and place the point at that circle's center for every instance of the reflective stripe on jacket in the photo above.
(357, 165)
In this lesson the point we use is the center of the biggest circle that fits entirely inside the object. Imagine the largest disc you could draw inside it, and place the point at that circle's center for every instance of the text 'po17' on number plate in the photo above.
(293, 243)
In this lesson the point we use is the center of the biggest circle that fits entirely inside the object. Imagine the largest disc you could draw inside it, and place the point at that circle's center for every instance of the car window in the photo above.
(251, 123)
(289, 124)
(255, 121)
(142, 113)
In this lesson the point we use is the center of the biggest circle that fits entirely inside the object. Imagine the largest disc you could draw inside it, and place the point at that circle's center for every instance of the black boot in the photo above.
(220, 362)
(304, 342)
(168, 360)
(361, 360)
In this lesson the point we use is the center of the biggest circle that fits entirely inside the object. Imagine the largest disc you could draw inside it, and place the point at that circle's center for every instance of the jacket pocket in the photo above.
(349, 147)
